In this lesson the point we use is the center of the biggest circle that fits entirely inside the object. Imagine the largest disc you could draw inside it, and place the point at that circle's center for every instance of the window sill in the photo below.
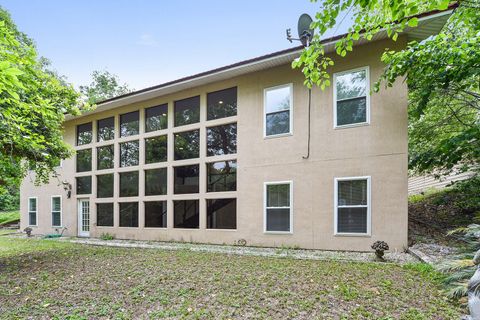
(353, 125)
(362, 235)
(228, 230)
(278, 232)
(282, 135)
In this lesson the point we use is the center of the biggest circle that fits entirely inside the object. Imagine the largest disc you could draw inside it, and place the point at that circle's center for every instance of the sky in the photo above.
(148, 42)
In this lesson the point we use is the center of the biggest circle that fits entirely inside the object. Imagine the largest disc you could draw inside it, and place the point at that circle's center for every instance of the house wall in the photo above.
(378, 150)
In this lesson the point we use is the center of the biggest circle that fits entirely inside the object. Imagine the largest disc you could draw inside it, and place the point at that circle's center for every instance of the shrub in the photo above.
(107, 236)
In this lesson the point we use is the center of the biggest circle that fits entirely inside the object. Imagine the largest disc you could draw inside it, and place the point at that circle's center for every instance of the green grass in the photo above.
(60, 280)
(9, 217)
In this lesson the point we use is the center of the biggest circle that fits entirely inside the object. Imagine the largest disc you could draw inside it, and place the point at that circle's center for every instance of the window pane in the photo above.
(277, 99)
(156, 214)
(105, 157)
(278, 219)
(129, 153)
(221, 104)
(32, 218)
(84, 185)
(186, 214)
(84, 134)
(56, 219)
(352, 192)
(222, 176)
(128, 214)
(222, 214)
(32, 204)
(277, 123)
(352, 111)
(222, 139)
(105, 186)
(84, 160)
(351, 85)
(278, 195)
(105, 214)
(352, 220)
(156, 149)
(186, 179)
(187, 111)
(129, 124)
(156, 182)
(106, 129)
(187, 145)
(156, 118)
(56, 204)
(129, 184)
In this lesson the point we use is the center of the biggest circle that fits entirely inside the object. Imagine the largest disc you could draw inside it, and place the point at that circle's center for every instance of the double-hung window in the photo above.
(351, 98)
(32, 211)
(278, 207)
(352, 206)
(278, 108)
(56, 211)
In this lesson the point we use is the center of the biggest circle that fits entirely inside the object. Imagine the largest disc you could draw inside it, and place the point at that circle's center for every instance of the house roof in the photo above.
(429, 23)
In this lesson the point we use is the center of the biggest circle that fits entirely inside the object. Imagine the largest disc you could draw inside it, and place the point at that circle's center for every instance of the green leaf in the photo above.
(413, 22)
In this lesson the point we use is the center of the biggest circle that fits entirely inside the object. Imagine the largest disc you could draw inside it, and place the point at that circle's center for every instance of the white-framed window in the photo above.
(56, 209)
(32, 211)
(278, 204)
(351, 98)
(352, 206)
(278, 107)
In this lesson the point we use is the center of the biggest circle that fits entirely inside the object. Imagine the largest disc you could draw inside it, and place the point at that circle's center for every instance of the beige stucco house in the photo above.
(223, 157)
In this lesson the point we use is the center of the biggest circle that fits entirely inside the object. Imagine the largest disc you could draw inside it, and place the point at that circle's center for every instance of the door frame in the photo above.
(81, 233)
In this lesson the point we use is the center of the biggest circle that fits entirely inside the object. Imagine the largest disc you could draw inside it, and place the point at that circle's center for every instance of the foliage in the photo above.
(104, 85)
(442, 73)
(9, 217)
(107, 236)
(33, 104)
(10, 199)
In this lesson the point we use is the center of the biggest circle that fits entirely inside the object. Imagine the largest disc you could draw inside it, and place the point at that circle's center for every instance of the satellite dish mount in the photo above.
(305, 34)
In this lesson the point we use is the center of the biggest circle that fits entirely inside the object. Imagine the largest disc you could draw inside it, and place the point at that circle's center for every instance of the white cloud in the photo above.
(147, 40)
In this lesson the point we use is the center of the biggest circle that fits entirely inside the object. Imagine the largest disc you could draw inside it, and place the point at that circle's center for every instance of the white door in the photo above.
(83, 218)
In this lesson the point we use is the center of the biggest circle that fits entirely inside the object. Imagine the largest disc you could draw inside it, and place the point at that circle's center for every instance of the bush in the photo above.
(107, 236)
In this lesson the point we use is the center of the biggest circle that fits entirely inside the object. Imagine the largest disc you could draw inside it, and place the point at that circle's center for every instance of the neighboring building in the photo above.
(218, 157)
(419, 184)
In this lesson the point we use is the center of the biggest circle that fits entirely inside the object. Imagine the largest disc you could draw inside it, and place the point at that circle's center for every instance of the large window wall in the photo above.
(171, 165)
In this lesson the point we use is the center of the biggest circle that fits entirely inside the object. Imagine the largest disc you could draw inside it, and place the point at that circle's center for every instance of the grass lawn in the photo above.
(52, 279)
(9, 216)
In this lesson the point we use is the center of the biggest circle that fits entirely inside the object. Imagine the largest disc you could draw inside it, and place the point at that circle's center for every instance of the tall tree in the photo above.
(442, 73)
(33, 104)
(104, 85)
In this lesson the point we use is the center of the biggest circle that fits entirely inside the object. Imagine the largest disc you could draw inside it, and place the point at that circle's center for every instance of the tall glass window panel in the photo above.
(32, 211)
(187, 111)
(186, 179)
(186, 214)
(156, 118)
(56, 211)
(278, 106)
(105, 214)
(187, 145)
(105, 156)
(129, 184)
(222, 139)
(156, 182)
(106, 129)
(129, 124)
(84, 134)
(156, 149)
(128, 214)
(352, 206)
(155, 214)
(129, 153)
(222, 104)
(105, 186)
(222, 213)
(222, 176)
(278, 207)
(84, 160)
(84, 185)
(351, 97)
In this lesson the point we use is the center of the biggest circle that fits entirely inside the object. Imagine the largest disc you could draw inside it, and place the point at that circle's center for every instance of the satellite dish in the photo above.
(305, 34)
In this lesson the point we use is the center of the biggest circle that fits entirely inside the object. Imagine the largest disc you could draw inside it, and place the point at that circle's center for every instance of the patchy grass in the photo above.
(7, 217)
(59, 280)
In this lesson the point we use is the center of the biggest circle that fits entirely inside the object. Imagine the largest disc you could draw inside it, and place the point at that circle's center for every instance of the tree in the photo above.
(104, 86)
(442, 74)
(33, 102)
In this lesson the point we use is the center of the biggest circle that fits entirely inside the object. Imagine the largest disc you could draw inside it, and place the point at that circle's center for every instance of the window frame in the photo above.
(36, 212)
(51, 210)
(265, 185)
(368, 206)
(290, 133)
(367, 97)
